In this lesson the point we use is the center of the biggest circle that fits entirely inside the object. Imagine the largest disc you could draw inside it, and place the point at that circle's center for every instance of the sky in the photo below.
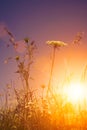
(43, 20)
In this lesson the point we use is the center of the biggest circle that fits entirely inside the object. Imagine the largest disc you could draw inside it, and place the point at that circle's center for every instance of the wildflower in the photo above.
(26, 40)
(31, 47)
(19, 46)
(78, 38)
(17, 58)
(56, 43)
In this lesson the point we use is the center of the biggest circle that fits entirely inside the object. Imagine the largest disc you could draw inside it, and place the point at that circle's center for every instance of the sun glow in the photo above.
(76, 92)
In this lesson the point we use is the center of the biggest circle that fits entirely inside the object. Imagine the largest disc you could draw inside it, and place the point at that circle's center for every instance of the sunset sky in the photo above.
(43, 20)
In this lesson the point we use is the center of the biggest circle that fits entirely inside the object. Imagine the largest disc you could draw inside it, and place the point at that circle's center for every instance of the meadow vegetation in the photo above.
(51, 111)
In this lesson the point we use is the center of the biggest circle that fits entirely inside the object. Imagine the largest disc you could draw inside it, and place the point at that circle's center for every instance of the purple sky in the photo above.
(40, 20)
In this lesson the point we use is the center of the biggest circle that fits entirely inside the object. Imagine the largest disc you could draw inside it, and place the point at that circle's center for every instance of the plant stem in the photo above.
(51, 72)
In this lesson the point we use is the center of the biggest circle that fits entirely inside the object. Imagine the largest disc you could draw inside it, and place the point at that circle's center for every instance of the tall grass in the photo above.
(33, 112)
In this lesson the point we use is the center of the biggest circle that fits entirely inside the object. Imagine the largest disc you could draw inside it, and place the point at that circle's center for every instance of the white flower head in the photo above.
(57, 43)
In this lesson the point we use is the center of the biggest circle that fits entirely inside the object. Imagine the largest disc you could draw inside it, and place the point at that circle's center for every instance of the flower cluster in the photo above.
(56, 43)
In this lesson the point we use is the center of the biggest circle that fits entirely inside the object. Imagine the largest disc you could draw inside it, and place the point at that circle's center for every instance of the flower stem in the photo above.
(51, 72)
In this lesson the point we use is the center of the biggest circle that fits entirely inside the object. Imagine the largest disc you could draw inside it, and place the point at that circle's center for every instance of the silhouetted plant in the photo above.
(33, 112)
(56, 45)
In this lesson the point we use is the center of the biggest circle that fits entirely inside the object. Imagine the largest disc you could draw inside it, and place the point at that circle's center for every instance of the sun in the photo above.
(75, 92)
